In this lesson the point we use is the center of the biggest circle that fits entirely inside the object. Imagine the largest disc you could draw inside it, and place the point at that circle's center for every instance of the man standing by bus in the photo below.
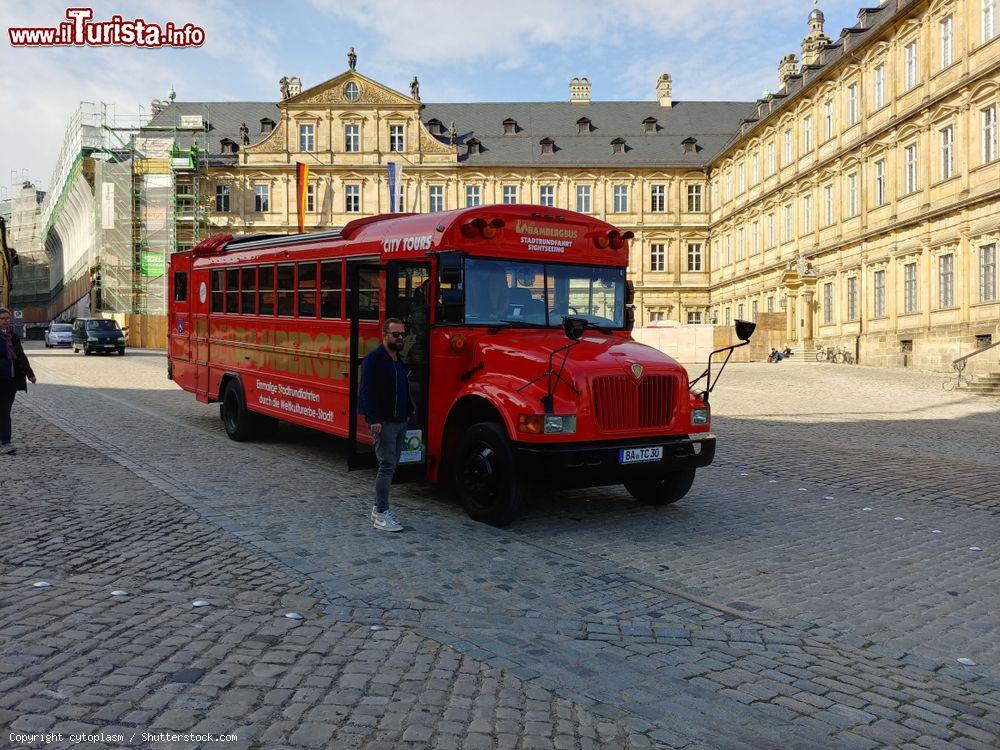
(385, 403)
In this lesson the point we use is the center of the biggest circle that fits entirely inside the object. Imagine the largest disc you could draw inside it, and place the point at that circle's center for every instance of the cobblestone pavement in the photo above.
(754, 614)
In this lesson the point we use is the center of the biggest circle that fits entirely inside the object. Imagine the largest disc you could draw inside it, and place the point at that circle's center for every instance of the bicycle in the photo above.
(960, 378)
(825, 354)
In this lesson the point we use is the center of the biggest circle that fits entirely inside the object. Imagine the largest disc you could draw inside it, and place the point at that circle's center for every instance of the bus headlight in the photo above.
(699, 416)
(547, 424)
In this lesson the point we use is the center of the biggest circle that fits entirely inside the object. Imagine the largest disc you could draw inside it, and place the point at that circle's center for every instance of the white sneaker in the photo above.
(386, 521)
(7, 448)
(374, 513)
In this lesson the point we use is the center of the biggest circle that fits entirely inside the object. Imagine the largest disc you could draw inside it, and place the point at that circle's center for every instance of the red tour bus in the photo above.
(522, 366)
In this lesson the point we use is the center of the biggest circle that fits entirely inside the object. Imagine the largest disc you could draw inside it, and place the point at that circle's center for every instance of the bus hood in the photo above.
(525, 354)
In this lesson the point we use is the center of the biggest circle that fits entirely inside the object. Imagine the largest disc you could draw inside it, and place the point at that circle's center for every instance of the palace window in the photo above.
(656, 316)
(946, 29)
(770, 229)
(741, 178)
(352, 199)
(807, 133)
(789, 214)
(879, 93)
(789, 146)
(741, 245)
(852, 104)
(620, 199)
(510, 194)
(827, 205)
(222, 199)
(947, 151)
(946, 280)
(878, 308)
(829, 119)
(473, 196)
(852, 194)
(755, 168)
(307, 141)
(755, 238)
(583, 204)
(658, 198)
(729, 249)
(352, 138)
(311, 197)
(911, 168)
(694, 256)
(694, 318)
(769, 304)
(658, 257)
(547, 195)
(694, 198)
(910, 288)
(852, 298)
(435, 199)
(729, 316)
(261, 198)
(807, 214)
(716, 260)
(753, 310)
(989, 133)
(989, 20)
(880, 186)
(827, 303)
(988, 273)
(396, 138)
(770, 158)
(910, 54)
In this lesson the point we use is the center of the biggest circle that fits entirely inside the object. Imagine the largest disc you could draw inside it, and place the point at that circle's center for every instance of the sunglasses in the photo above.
(397, 334)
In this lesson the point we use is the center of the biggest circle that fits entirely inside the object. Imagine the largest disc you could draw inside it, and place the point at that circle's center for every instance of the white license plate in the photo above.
(640, 455)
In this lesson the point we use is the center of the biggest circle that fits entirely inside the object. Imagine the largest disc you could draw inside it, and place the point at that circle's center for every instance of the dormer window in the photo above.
(618, 146)
(474, 146)
(435, 126)
(649, 125)
(229, 146)
(583, 126)
(266, 125)
(690, 145)
(548, 145)
(510, 126)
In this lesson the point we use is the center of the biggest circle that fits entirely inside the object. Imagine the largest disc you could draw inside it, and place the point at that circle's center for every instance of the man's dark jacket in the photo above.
(22, 370)
(384, 393)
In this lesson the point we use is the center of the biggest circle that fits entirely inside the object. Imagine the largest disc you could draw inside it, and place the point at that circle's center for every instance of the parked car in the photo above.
(97, 335)
(59, 334)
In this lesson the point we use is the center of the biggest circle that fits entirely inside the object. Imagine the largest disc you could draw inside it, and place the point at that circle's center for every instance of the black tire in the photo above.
(486, 475)
(820, 355)
(121, 352)
(666, 490)
(86, 352)
(240, 422)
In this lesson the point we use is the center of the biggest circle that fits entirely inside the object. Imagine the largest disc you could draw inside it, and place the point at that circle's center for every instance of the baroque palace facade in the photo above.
(860, 199)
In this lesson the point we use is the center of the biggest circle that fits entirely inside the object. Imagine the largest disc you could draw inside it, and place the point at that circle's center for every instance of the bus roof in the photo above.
(516, 231)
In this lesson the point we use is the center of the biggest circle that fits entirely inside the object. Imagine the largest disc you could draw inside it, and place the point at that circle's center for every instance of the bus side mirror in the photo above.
(629, 293)
(451, 309)
(451, 276)
(745, 329)
(629, 317)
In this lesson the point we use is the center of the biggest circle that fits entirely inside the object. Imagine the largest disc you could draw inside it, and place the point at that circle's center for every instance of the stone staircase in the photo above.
(985, 385)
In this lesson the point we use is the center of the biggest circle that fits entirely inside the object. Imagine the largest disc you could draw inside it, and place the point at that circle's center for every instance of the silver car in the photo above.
(59, 334)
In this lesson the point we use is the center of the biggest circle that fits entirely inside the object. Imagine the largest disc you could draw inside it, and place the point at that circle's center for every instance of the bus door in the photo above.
(179, 322)
(366, 311)
(407, 298)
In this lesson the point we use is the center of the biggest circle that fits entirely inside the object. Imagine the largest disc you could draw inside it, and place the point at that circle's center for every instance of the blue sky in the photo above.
(479, 50)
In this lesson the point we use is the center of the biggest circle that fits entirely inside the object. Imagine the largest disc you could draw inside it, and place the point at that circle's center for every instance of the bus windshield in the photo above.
(511, 292)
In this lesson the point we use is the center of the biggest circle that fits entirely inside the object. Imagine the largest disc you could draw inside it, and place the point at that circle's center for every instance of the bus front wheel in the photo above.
(664, 490)
(486, 478)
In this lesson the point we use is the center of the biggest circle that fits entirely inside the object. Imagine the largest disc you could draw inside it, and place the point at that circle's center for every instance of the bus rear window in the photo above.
(217, 290)
(180, 286)
(265, 295)
(307, 289)
(286, 290)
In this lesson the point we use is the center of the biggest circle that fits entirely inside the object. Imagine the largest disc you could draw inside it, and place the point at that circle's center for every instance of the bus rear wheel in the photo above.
(665, 490)
(486, 478)
(241, 423)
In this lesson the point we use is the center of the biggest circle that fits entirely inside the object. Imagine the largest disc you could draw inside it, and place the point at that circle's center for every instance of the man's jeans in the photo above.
(388, 447)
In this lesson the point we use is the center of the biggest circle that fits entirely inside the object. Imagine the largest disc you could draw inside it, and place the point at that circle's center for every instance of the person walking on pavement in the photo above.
(385, 403)
(15, 372)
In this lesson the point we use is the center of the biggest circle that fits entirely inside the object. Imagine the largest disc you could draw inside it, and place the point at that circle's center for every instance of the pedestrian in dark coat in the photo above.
(15, 372)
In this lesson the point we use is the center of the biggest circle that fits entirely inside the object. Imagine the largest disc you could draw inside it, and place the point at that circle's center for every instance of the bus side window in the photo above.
(286, 289)
(265, 295)
(330, 282)
(232, 290)
(180, 286)
(248, 290)
(307, 289)
(217, 287)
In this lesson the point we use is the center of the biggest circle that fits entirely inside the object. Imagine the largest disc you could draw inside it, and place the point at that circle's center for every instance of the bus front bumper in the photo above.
(612, 461)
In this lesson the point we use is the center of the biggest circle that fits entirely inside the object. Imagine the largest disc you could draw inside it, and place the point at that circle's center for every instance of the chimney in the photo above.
(579, 91)
(788, 67)
(663, 87)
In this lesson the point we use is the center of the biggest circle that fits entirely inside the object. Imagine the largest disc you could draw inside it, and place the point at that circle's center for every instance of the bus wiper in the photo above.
(525, 323)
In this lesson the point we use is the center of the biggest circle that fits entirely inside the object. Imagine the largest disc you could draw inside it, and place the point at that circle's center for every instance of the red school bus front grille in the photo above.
(621, 403)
